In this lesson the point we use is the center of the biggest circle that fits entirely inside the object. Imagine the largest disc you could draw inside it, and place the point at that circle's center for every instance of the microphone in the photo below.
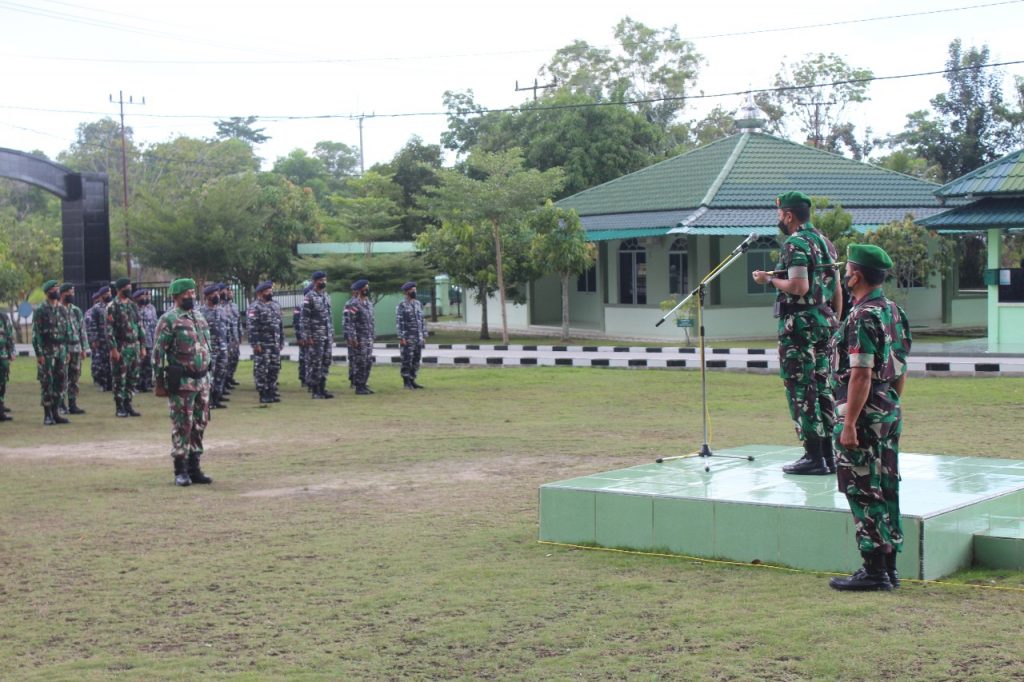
(745, 243)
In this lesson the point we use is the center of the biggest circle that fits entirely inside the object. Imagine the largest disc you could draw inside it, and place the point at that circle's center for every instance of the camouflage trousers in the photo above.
(219, 370)
(804, 368)
(869, 476)
(361, 361)
(100, 365)
(52, 373)
(5, 375)
(146, 371)
(125, 372)
(411, 353)
(266, 365)
(233, 356)
(190, 413)
(302, 364)
(318, 361)
(73, 375)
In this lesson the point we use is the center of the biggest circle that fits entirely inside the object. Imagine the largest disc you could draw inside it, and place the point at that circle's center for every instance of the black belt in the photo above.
(784, 309)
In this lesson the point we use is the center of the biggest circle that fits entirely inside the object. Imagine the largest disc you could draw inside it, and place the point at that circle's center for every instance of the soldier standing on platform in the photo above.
(318, 333)
(78, 342)
(127, 346)
(234, 315)
(412, 334)
(182, 363)
(870, 372)
(216, 320)
(806, 306)
(359, 335)
(96, 330)
(51, 329)
(266, 336)
(7, 355)
(148, 319)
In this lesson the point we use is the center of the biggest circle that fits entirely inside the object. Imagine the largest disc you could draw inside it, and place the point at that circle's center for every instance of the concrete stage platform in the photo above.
(957, 512)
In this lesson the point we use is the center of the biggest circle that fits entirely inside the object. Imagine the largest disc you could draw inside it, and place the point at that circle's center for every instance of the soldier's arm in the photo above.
(837, 301)
(899, 384)
(856, 398)
(37, 334)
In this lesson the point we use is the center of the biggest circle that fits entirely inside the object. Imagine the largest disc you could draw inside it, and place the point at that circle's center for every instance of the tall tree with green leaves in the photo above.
(241, 128)
(917, 254)
(412, 169)
(372, 212)
(561, 247)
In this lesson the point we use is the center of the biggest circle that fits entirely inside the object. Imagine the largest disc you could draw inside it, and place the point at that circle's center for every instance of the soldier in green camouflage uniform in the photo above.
(869, 365)
(127, 346)
(51, 329)
(181, 356)
(7, 355)
(806, 306)
(78, 342)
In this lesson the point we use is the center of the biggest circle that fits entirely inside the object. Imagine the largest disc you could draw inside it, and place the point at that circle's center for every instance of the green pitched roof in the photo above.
(1003, 176)
(748, 170)
(981, 215)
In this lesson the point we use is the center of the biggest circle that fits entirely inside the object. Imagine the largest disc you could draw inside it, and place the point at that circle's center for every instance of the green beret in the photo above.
(122, 283)
(180, 286)
(67, 286)
(792, 200)
(49, 284)
(868, 255)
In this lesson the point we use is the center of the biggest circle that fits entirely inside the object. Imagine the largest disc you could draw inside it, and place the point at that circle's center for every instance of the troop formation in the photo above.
(843, 373)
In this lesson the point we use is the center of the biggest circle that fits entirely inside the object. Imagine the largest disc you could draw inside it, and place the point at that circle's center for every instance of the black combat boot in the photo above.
(3, 413)
(57, 419)
(180, 471)
(812, 463)
(407, 382)
(412, 382)
(871, 577)
(62, 408)
(314, 390)
(73, 407)
(828, 455)
(324, 393)
(196, 474)
(48, 417)
(215, 403)
(131, 410)
(361, 389)
(265, 398)
(890, 568)
(120, 412)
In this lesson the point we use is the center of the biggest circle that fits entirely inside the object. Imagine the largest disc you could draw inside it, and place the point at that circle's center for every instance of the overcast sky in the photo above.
(196, 62)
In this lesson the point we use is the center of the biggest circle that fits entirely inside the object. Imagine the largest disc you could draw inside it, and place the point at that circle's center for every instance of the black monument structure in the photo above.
(85, 221)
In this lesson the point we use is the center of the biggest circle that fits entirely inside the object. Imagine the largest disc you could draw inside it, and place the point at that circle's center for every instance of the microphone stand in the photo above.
(700, 291)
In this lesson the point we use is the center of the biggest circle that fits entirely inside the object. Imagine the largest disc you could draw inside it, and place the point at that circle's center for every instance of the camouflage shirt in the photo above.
(409, 323)
(216, 319)
(6, 337)
(183, 338)
(316, 317)
(804, 253)
(96, 323)
(232, 315)
(359, 324)
(51, 327)
(123, 324)
(78, 340)
(266, 324)
(148, 319)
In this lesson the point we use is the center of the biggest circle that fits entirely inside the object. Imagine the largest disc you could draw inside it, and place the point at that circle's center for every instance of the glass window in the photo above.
(759, 257)
(678, 268)
(587, 281)
(632, 272)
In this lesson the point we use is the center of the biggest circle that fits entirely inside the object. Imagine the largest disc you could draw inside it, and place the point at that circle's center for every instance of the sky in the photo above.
(309, 69)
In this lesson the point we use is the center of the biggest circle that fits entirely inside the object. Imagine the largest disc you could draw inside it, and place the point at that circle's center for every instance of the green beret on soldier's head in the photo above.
(868, 255)
(122, 283)
(180, 286)
(792, 200)
(49, 284)
(67, 286)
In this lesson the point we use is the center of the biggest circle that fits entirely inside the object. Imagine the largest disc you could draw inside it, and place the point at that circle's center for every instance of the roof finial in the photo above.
(750, 117)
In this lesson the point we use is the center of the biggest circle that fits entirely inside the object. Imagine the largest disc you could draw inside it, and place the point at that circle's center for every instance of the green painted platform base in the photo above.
(957, 511)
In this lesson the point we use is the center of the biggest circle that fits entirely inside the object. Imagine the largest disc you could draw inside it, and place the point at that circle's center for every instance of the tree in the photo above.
(495, 193)
(816, 92)
(387, 272)
(340, 161)
(413, 169)
(305, 171)
(30, 252)
(373, 213)
(917, 254)
(560, 247)
(241, 128)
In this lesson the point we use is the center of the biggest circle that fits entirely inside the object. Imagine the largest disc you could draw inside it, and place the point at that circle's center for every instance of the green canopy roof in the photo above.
(983, 214)
(1002, 177)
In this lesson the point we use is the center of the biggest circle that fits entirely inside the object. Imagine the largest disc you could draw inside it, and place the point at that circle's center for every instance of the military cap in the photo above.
(103, 290)
(319, 274)
(122, 283)
(263, 286)
(408, 285)
(180, 286)
(359, 284)
(140, 293)
(868, 255)
(67, 286)
(49, 284)
(792, 200)
(96, 296)
(211, 289)
(222, 286)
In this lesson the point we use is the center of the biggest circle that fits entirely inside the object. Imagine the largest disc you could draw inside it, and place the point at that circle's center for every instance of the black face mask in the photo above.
(321, 286)
(52, 295)
(411, 294)
(106, 299)
(782, 228)
(846, 282)
(223, 297)
(67, 299)
(268, 297)
(126, 292)
(187, 303)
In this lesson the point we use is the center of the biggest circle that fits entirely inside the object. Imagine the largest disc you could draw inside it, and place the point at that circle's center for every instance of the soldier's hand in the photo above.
(256, 348)
(84, 355)
(115, 355)
(143, 354)
(402, 342)
(39, 359)
(848, 437)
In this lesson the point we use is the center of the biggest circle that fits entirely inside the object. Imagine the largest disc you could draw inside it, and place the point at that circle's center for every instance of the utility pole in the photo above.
(361, 169)
(535, 87)
(817, 120)
(124, 176)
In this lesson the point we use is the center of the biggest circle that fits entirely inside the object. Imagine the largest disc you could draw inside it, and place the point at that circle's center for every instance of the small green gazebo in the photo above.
(996, 193)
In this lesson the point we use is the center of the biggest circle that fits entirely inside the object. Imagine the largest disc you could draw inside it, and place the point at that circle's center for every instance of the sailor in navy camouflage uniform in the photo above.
(360, 334)
(297, 329)
(148, 318)
(412, 334)
(318, 334)
(216, 318)
(96, 330)
(234, 316)
(266, 336)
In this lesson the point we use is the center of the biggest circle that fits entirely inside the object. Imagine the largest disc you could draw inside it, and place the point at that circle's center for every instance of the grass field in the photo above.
(394, 536)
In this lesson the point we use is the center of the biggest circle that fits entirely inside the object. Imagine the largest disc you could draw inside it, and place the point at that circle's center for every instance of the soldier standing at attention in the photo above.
(806, 305)
(318, 333)
(126, 339)
(182, 362)
(51, 329)
(234, 316)
(297, 328)
(148, 319)
(96, 330)
(7, 355)
(216, 319)
(412, 334)
(359, 335)
(869, 365)
(78, 342)
(266, 336)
